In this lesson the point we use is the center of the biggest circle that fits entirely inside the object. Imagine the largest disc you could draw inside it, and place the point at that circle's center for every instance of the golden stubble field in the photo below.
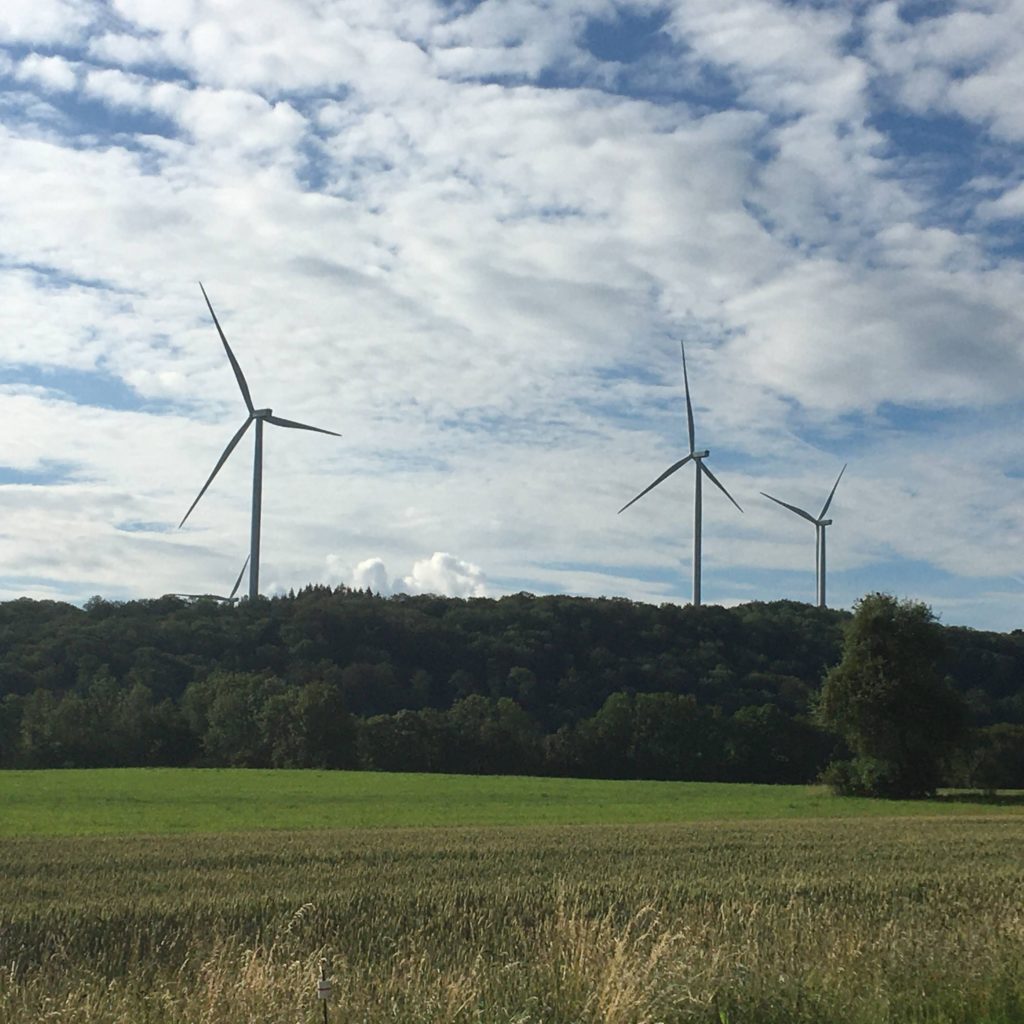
(852, 920)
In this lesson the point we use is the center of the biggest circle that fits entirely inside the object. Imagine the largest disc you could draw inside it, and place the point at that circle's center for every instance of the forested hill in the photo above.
(334, 677)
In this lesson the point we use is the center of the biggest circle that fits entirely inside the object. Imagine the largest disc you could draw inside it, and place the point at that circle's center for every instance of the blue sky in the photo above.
(470, 237)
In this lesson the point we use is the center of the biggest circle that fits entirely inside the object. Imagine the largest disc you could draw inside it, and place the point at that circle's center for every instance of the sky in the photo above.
(470, 238)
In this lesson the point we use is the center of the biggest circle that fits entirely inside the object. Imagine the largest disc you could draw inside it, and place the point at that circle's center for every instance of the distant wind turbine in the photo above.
(819, 534)
(230, 599)
(697, 457)
(257, 416)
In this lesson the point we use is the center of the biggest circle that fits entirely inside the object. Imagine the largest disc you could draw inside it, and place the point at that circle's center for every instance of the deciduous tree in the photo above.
(888, 699)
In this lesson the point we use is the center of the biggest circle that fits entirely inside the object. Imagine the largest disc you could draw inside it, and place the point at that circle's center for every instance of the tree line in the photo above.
(337, 678)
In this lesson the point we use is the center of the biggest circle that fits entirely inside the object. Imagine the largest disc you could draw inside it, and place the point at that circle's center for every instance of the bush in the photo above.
(862, 776)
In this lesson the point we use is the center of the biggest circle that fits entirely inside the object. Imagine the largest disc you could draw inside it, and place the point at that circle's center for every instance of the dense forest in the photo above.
(336, 678)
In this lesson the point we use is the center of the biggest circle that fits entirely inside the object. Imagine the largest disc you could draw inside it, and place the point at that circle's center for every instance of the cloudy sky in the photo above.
(469, 237)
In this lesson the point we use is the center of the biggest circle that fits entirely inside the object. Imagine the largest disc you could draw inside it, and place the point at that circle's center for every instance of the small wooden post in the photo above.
(323, 986)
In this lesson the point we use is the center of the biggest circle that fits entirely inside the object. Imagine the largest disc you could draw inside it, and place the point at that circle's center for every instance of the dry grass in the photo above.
(830, 923)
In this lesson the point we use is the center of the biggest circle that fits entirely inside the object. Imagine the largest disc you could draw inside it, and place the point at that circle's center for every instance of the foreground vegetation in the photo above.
(159, 801)
(823, 922)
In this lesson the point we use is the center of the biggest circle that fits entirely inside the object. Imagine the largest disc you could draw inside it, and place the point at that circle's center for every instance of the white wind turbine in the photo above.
(700, 470)
(819, 534)
(259, 417)
(230, 599)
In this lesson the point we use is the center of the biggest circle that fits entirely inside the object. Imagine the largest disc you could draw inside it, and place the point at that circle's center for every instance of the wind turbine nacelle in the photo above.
(824, 522)
(701, 455)
(262, 414)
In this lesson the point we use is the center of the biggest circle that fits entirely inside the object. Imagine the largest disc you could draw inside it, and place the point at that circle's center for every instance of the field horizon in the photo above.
(157, 801)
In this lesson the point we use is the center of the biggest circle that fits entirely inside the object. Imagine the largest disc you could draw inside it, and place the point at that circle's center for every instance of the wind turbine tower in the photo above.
(700, 470)
(819, 534)
(259, 417)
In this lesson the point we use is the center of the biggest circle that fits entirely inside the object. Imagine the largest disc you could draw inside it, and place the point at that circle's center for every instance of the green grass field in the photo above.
(210, 897)
(161, 801)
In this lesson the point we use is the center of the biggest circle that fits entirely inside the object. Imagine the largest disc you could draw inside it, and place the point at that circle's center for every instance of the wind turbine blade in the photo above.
(832, 492)
(689, 406)
(792, 508)
(714, 479)
(216, 469)
(238, 582)
(231, 355)
(668, 472)
(277, 421)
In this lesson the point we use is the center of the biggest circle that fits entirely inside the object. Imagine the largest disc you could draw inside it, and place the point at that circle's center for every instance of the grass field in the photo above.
(159, 801)
(752, 905)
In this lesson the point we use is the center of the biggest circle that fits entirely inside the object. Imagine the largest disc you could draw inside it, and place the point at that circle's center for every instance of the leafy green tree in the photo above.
(673, 738)
(767, 745)
(511, 739)
(409, 741)
(10, 729)
(44, 740)
(994, 758)
(224, 711)
(889, 701)
(603, 740)
(371, 689)
(492, 737)
(308, 727)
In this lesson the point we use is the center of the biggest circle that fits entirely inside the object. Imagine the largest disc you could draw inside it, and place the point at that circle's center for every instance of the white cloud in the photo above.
(984, 96)
(125, 49)
(784, 56)
(516, 37)
(275, 46)
(845, 341)
(52, 73)
(370, 573)
(962, 61)
(1008, 206)
(444, 574)
(46, 21)
(441, 574)
(225, 119)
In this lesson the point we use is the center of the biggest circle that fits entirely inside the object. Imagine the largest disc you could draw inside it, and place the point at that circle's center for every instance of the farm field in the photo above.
(830, 921)
(160, 801)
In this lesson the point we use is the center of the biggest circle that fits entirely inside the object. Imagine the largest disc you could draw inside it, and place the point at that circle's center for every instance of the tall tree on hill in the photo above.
(889, 700)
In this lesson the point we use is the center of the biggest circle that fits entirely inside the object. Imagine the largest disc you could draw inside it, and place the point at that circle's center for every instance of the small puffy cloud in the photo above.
(126, 50)
(54, 74)
(372, 574)
(116, 88)
(1008, 206)
(441, 573)
(444, 574)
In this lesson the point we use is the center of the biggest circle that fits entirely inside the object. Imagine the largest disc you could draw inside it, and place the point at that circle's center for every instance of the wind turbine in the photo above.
(697, 457)
(259, 417)
(230, 599)
(819, 534)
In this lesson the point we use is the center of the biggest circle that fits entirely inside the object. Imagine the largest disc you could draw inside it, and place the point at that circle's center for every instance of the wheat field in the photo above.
(830, 922)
